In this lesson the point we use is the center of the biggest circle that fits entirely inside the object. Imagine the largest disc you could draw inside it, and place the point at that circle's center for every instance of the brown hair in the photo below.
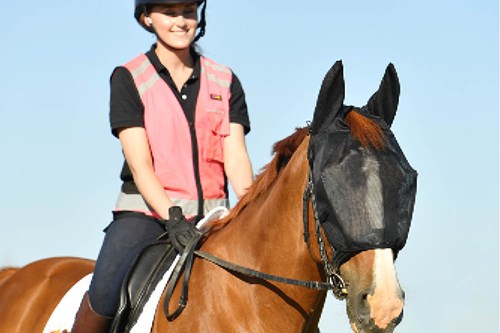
(366, 131)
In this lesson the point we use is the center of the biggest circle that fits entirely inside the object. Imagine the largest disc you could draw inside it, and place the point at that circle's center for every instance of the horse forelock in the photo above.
(282, 150)
(367, 131)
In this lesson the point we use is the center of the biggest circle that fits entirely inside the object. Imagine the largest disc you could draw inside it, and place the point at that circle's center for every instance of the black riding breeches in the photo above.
(125, 237)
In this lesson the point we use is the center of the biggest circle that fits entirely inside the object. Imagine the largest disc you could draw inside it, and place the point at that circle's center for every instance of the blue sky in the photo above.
(60, 163)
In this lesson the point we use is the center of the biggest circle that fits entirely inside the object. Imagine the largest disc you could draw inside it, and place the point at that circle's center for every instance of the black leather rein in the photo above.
(185, 263)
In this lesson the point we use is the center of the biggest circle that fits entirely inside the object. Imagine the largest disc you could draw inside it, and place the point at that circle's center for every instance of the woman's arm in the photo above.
(236, 160)
(138, 155)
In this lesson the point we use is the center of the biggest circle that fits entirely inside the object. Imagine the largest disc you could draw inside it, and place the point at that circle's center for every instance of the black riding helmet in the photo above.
(142, 5)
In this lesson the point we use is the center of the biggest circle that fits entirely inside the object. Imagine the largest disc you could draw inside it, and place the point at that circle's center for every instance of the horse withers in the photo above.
(335, 203)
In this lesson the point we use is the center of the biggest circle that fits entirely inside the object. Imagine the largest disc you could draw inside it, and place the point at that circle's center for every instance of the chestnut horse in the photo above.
(268, 231)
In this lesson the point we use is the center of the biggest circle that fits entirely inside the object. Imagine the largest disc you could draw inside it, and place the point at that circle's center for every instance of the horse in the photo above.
(333, 208)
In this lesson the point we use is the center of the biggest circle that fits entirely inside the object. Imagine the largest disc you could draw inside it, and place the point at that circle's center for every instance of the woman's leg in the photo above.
(125, 237)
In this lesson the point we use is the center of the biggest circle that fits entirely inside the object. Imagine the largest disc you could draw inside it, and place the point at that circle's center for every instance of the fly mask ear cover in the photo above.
(364, 197)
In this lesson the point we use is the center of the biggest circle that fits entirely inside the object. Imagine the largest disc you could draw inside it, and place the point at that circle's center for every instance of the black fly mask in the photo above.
(364, 196)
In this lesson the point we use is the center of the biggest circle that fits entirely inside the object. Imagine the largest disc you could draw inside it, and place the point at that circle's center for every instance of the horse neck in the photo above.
(267, 236)
(273, 223)
(283, 202)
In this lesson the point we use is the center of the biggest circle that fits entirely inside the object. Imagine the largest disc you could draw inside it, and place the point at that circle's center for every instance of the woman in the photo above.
(181, 119)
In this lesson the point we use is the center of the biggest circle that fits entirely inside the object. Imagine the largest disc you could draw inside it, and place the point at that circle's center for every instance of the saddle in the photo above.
(150, 266)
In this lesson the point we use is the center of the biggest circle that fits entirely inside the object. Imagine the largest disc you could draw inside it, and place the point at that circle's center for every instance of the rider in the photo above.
(181, 119)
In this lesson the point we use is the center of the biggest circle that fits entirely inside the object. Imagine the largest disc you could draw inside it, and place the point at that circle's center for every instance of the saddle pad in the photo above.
(64, 314)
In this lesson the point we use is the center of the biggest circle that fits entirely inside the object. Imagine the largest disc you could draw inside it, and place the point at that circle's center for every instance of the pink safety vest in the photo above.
(170, 138)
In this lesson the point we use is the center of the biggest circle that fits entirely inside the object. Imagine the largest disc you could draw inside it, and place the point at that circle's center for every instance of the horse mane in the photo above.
(282, 151)
(367, 131)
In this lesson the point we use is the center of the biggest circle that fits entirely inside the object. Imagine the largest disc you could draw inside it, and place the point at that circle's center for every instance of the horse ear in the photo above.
(384, 103)
(330, 98)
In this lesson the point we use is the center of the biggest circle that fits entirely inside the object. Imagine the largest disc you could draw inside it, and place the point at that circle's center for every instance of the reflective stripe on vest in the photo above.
(169, 135)
(136, 203)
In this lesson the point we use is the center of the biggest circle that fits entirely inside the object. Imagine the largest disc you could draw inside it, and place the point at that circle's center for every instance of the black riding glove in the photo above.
(180, 230)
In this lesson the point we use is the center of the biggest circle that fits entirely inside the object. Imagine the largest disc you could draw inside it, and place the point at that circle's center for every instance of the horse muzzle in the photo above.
(367, 317)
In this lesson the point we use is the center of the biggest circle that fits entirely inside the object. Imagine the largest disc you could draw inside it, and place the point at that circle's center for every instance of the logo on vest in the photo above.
(216, 97)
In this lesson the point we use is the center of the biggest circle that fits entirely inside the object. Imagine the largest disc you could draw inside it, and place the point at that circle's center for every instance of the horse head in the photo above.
(364, 192)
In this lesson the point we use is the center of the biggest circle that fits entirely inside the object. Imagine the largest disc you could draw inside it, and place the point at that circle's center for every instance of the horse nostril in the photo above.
(363, 309)
(398, 320)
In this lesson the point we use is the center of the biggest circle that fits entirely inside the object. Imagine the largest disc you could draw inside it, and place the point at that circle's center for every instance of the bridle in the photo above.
(338, 286)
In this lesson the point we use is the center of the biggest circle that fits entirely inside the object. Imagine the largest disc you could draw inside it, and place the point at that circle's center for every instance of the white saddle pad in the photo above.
(64, 314)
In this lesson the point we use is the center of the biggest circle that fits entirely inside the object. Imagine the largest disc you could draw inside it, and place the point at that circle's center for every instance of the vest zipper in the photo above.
(196, 168)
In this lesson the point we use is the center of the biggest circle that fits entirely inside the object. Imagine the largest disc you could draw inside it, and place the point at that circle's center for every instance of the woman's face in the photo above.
(175, 24)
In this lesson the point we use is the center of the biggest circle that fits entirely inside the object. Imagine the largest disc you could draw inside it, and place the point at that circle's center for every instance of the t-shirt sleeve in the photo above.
(126, 108)
(238, 112)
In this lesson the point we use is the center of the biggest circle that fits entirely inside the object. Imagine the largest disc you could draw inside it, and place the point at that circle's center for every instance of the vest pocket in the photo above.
(214, 138)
